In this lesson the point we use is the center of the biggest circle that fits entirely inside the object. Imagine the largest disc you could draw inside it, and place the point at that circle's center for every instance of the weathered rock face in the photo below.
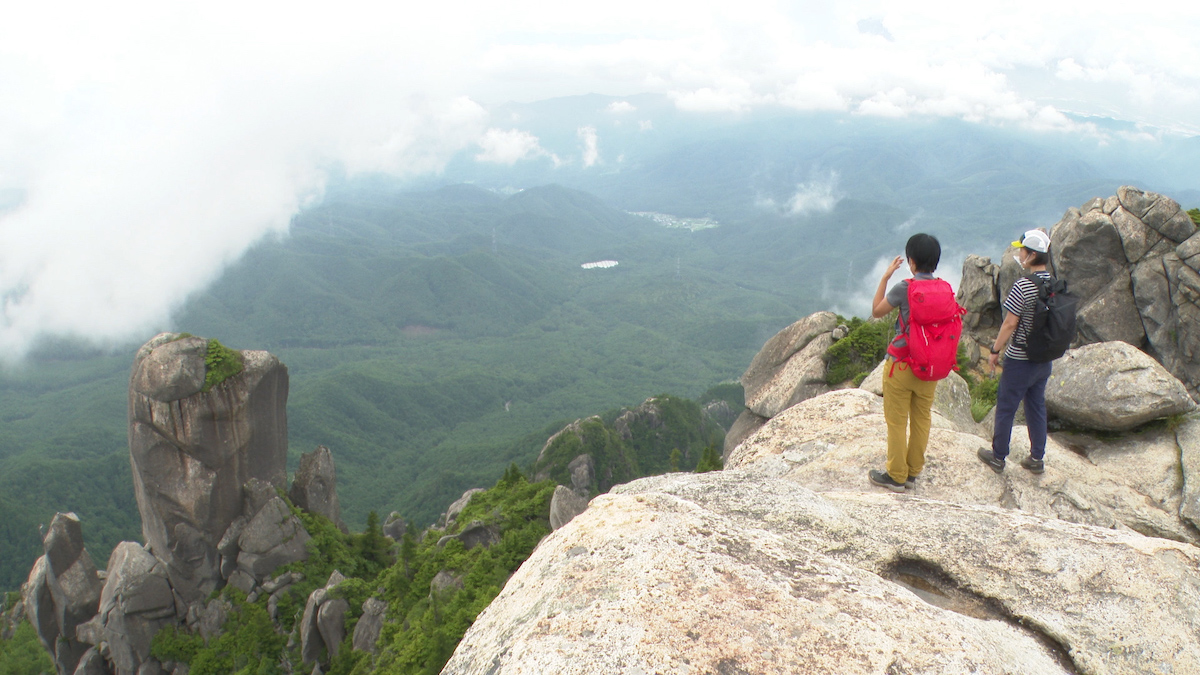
(314, 631)
(1112, 386)
(583, 474)
(745, 572)
(747, 423)
(1134, 261)
(370, 624)
(565, 505)
(1087, 251)
(137, 602)
(829, 442)
(63, 591)
(721, 412)
(790, 368)
(271, 539)
(395, 526)
(314, 487)
(476, 533)
(456, 508)
(1112, 314)
(647, 414)
(192, 451)
(977, 293)
(1188, 438)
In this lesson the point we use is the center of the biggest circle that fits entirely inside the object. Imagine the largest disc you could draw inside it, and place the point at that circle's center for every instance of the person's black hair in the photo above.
(1037, 257)
(925, 252)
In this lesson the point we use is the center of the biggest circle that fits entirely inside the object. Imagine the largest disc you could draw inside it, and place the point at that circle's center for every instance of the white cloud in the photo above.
(816, 196)
(857, 301)
(154, 142)
(645, 125)
(591, 151)
(509, 147)
(621, 107)
(819, 195)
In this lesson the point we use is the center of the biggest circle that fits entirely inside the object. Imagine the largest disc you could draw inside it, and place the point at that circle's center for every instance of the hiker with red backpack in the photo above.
(924, 351)
(1039, 327)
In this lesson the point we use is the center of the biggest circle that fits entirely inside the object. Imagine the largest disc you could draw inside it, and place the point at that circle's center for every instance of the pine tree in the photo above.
(710, 460)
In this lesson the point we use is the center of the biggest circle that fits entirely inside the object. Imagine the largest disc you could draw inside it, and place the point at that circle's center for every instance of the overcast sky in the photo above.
(148, 144)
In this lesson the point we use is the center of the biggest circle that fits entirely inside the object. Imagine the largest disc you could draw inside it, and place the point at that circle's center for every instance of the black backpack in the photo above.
(1053, 320)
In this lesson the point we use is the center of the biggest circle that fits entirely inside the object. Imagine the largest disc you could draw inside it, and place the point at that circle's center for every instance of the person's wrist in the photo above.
(994, 350)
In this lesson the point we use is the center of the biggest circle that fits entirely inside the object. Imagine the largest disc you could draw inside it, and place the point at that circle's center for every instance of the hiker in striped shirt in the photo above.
(1022, 379)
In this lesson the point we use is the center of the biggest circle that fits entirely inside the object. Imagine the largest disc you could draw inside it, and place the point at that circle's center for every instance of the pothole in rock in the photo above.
(933, 586)
(937, 588)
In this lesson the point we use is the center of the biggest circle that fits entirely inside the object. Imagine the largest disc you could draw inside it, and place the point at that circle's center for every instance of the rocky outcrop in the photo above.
(647, 415)
(1134, 261)
(829, 442)
(270, 539)
(583, 474)
(322, 627)
(722, 413)
(977, 293)
(370, 625)
(395, 526)
(137, 601)
(1188, 438)
(314, 487)
(63, 591)
(747, 572)
(745, 425)
(192, 451)
(1112, 386)
(790, 367)
(476, 533)
(451, 514)
(208, 467)
(565, 505)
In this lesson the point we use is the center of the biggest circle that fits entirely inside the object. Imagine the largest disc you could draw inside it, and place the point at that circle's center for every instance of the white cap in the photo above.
(1034, 240)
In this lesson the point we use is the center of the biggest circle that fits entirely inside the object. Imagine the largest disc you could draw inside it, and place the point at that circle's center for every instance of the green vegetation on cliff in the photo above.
(424, 624)
(427, 358)
(853, 357)
(630, 443)
(23, 653)
(220, 364)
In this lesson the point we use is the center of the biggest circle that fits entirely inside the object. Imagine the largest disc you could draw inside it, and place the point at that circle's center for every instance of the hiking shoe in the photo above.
(911, 483)
(986, 456)
(882, 478)
(1034, 465)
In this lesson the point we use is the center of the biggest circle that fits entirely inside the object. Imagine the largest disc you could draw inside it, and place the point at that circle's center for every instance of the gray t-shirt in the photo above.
(898, 297)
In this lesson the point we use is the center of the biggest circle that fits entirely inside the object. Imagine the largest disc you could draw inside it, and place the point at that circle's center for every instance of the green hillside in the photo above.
(432, 339)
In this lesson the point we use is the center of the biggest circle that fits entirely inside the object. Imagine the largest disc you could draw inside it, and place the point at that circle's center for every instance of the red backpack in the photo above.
(934, 326)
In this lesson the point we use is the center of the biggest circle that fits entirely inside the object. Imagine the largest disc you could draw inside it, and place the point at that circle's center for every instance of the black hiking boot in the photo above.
(986, 456)
(882, 478)
(910, 483)
(1034, 465)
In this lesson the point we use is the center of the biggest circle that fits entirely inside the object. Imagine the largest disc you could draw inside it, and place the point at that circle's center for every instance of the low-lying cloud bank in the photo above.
(144, 147)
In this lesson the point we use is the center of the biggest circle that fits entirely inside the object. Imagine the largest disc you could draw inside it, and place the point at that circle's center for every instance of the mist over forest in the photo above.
(440, 327)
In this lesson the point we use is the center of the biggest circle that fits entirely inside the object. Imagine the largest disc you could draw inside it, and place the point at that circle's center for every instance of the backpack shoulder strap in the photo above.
(1043, 286)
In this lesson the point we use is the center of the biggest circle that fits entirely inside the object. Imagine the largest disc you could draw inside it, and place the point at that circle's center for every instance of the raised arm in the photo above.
(880, 306)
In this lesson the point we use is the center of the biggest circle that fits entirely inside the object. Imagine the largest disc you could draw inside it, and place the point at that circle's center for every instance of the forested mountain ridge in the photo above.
(433, 339)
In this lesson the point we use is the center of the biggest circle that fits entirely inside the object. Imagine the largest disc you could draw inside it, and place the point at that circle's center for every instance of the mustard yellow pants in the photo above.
(907, 405)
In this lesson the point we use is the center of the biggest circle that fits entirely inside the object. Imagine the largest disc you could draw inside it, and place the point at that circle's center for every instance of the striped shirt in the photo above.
(1021, 300)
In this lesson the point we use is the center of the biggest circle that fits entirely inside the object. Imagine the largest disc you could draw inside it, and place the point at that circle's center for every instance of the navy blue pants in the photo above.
(1021, 381)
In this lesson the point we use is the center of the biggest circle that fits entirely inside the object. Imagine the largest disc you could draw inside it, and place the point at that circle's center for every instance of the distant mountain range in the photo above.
(438, 329)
